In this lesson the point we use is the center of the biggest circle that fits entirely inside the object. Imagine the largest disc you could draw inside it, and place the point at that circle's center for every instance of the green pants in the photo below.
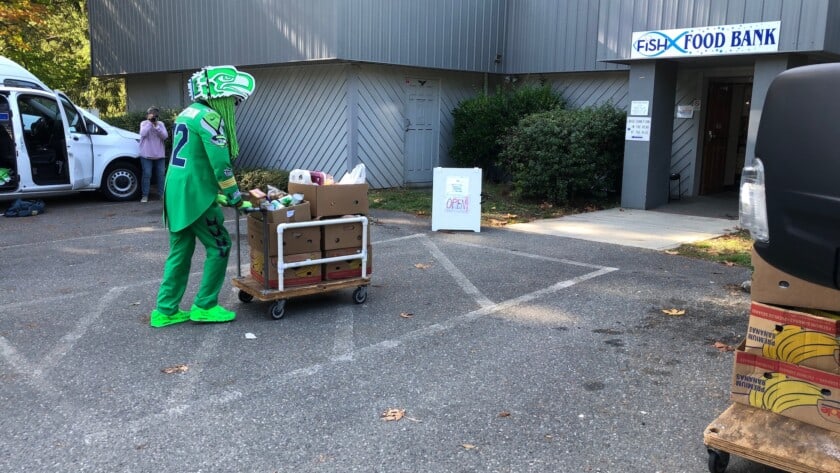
(210, 230)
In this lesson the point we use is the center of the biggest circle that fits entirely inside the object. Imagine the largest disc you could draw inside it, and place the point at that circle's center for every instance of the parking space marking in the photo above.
(345, 353)
(457, 275)
(343, 345)
(83, 323)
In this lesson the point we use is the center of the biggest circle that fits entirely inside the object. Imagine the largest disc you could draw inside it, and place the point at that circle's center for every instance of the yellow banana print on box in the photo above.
(795, 345)
(781, 393)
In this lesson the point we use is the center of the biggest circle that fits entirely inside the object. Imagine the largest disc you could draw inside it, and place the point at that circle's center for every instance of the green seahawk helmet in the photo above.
(213, 82)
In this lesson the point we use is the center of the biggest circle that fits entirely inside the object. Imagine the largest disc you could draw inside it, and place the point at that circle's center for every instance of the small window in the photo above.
(24, 84)
(74, 118)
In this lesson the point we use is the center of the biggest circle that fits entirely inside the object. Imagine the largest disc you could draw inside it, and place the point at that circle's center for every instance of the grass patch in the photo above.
(732, 249)
(499, 207)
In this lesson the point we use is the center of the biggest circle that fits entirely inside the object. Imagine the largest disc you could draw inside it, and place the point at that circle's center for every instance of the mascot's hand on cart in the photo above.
(222, 200)
(244, 206)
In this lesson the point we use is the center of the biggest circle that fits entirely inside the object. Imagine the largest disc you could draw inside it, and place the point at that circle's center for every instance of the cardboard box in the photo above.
(801, 393)
(343, 235)
(302, 276)
(297, 240)
(346, 269)
(774, 286)
(794, 337)
(334, 200)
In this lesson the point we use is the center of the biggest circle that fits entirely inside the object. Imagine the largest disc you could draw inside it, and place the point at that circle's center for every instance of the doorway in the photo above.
(725, 135)
(422, 119)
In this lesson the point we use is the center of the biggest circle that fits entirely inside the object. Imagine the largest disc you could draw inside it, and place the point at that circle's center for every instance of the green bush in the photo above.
(261, 178)
(480, 122)
(562, 155)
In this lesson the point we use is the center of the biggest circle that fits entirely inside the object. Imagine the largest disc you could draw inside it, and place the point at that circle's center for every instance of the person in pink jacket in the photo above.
(152, 153)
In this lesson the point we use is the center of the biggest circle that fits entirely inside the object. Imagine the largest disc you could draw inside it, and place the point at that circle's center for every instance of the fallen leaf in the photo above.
(671, 252)
(393, 414)
(406, 315)
(176, 369)
(422, 266)
(729, 263)
(724, 347)
(468, 446)
(504, 414)
(673, 312)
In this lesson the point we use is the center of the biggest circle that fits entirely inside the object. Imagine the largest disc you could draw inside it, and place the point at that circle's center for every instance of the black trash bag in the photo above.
(25, 208)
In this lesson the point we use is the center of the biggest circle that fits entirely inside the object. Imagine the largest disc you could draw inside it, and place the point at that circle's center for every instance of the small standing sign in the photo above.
(456, 199)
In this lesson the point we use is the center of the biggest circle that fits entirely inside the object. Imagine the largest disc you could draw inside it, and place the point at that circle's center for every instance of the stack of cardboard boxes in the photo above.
(311, 243)
(789, 362)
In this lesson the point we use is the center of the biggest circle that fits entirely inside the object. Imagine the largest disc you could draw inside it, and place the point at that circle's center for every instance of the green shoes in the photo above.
(213, 314)
(159, 319)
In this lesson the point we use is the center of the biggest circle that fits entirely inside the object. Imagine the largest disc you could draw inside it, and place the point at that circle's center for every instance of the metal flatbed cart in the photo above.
(250, 288)
(771, 439)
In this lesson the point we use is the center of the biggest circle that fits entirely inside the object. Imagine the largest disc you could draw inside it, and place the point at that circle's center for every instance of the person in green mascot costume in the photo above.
(199, 180)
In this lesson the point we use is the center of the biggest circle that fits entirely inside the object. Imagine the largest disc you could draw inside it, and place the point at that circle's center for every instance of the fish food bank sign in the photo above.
(707, 41)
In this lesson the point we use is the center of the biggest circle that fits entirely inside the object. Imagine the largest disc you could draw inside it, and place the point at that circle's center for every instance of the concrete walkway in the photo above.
(667, 227)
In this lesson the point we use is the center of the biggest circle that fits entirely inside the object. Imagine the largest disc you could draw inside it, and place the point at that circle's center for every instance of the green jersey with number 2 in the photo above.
(200, 167)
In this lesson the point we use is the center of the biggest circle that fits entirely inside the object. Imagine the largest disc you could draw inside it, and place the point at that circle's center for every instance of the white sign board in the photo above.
(456, 199)
(639, 107)
(685, 111)
(638, 129)
(747, 38)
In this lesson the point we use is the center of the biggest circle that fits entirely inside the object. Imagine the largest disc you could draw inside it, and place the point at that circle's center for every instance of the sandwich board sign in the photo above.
(456, 199)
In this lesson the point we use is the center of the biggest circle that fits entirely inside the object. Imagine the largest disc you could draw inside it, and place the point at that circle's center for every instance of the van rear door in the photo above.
(79, 145)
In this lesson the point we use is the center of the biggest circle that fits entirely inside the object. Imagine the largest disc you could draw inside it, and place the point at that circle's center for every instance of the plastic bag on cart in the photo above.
(357, 176)
(25, 208)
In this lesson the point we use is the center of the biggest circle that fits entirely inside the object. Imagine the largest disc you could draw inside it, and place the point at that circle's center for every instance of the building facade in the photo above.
(341, 82)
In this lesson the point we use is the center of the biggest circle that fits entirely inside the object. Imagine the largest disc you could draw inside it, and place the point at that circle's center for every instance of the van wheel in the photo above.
(121, 182)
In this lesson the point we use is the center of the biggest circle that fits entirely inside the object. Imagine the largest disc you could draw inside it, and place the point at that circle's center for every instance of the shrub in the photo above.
(561, 155)
(261, 178)
(480, 122)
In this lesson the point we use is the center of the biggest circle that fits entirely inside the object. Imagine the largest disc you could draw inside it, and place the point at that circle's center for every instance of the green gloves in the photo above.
(243, 206)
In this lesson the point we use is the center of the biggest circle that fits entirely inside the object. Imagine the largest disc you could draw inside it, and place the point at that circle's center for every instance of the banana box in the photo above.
(796, 337)
(801, 393)
(295, 240)
(347, 269)
(301, 276)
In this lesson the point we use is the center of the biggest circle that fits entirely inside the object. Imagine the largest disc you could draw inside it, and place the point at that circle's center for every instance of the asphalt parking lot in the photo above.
(508, 352)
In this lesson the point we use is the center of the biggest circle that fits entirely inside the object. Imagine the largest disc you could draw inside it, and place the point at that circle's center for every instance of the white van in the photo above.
(51, 147)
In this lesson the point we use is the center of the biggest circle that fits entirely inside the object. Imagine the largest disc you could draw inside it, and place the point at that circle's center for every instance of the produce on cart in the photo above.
(299, 247)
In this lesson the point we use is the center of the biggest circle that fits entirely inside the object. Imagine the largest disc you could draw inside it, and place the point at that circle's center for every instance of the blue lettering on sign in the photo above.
(753, 37)
(656, 42)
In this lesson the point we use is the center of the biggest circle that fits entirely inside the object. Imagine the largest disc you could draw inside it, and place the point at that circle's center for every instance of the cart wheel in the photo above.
(718, 461)
(278, 309)
(245, 297)
(360, 295)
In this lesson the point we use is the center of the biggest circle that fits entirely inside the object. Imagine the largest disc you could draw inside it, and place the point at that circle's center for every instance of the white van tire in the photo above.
(121, 181)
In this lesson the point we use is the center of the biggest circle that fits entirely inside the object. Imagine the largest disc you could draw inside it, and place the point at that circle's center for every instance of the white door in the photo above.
(79, 145)
(422, 123)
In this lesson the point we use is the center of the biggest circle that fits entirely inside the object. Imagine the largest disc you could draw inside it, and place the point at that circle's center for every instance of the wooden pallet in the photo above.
(774, 440)
(259, 292)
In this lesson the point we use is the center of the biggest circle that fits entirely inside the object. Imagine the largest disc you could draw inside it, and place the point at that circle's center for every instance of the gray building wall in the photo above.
(160, 35)
(350, 106)
(331, 117)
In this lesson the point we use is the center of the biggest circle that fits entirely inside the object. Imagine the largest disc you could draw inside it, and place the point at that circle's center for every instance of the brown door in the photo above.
(716, 138)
